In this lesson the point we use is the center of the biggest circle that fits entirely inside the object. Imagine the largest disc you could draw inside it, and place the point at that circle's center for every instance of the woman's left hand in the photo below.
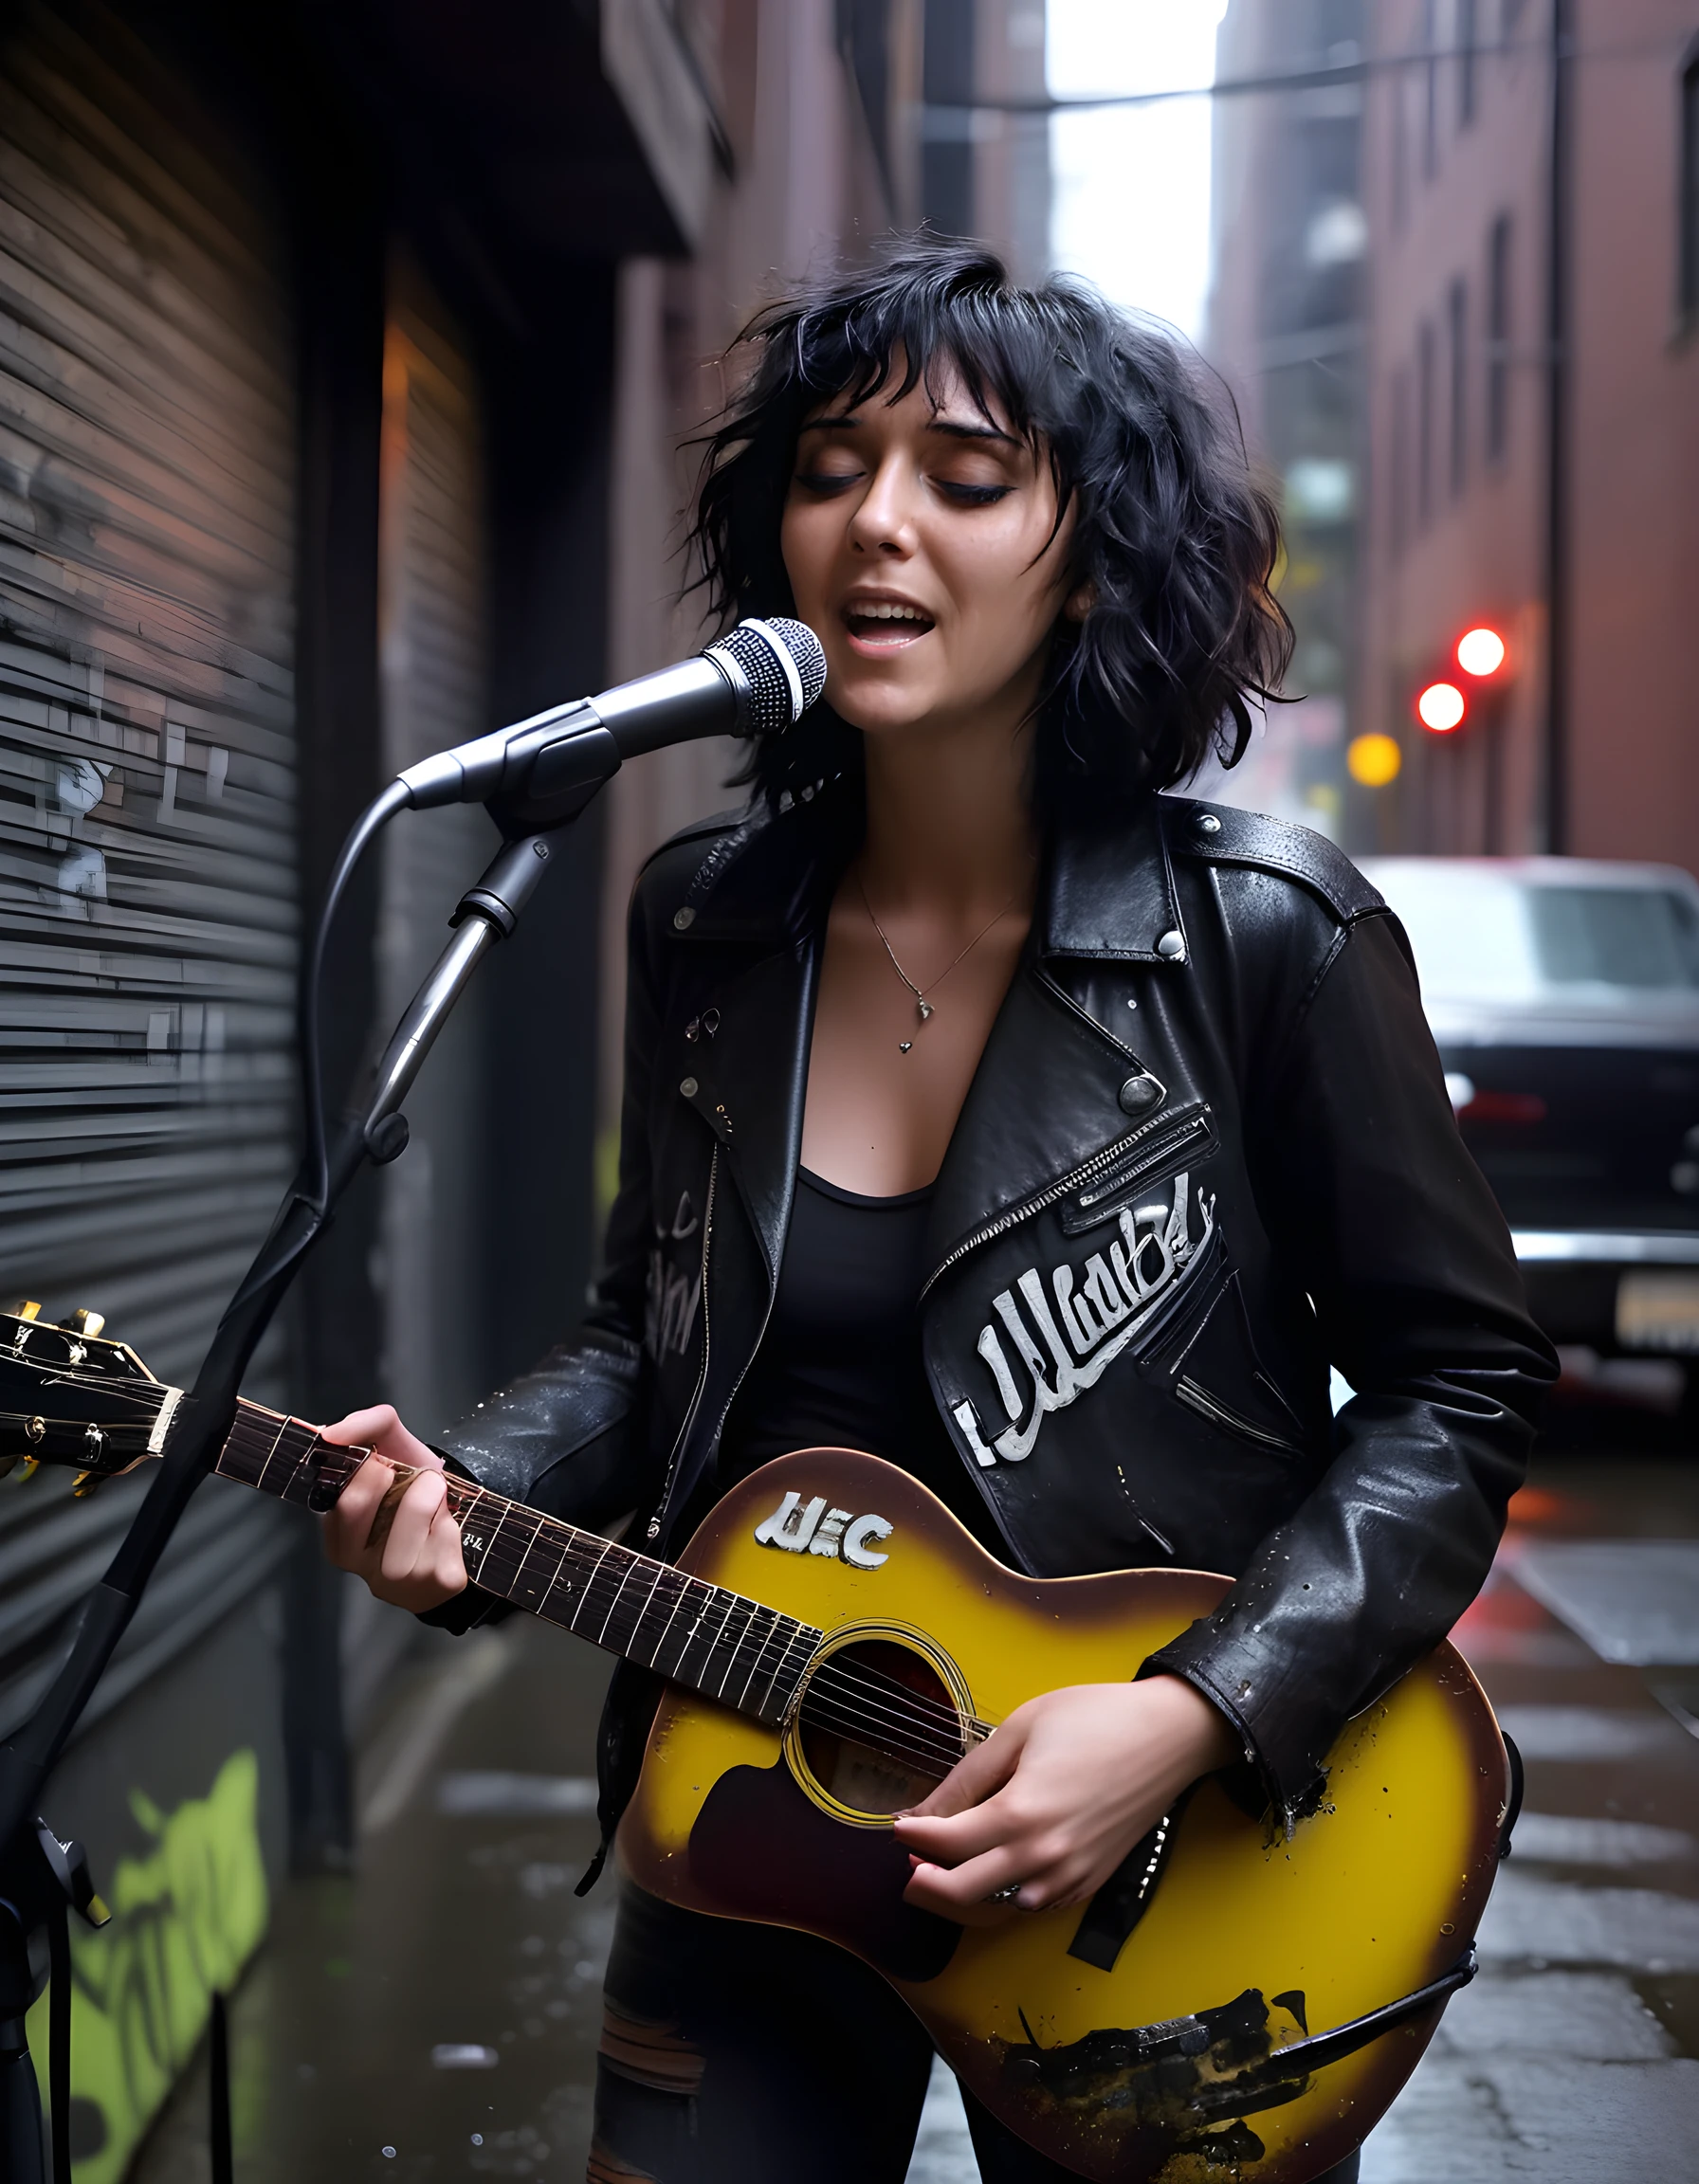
(1055, 1798)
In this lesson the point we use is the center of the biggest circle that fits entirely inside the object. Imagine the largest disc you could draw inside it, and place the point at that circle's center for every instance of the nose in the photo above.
(883, 523)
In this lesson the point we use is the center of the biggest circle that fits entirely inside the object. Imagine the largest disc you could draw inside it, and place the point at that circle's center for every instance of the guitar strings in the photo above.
(890, 1707)
(867, 1701)
(858, 1697)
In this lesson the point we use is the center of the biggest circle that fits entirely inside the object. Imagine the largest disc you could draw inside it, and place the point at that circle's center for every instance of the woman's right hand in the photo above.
(417, 1563)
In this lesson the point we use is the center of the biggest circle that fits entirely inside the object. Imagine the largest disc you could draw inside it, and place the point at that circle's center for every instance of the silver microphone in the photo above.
(760, 679)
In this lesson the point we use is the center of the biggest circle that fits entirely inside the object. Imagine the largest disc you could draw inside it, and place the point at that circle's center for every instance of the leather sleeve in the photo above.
(1382, 1217)
(571, 1436)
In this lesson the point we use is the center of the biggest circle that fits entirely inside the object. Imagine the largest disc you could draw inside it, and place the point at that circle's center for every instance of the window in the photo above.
(1635, 937)
(1457, 322)
(1431, 90)
(1468, 47)
(1400, 460)
(1481, 936)
(1400, 150)
(1498, 338)
(1426, 373)
(1688, 223)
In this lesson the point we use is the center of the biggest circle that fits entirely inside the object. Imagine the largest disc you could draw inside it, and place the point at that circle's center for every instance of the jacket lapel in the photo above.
(752, 953)
(1046, 1096)
(749, 1087)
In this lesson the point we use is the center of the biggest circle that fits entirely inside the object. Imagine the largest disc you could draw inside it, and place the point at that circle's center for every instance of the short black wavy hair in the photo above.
(1172, 532)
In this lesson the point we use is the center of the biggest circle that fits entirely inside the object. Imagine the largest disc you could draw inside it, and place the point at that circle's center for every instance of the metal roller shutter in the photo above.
(147, 883)
(432, 638)
(432, 657)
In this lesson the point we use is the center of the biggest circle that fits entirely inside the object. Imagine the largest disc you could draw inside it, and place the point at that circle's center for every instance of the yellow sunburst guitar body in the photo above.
(1236, 2003)
(1248, 1944)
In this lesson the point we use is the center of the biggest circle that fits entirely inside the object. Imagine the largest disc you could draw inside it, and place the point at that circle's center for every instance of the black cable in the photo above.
(218, 2085)
(58, 2037)
(315, 1171)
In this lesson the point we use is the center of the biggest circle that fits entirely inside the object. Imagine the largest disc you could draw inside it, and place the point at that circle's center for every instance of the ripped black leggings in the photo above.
(742, 2054)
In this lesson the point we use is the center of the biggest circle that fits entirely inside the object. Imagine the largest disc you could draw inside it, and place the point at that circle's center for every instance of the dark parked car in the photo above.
(1564, 997)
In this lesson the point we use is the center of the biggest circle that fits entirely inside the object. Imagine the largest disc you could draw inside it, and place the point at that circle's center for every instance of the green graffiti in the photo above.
(185, 1919)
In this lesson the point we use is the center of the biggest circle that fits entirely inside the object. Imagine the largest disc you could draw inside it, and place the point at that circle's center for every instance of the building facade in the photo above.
(1286, 329)
(847, 119)
(341, 354)
(1532, 192)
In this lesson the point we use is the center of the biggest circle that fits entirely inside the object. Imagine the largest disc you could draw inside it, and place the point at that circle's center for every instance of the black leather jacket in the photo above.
(1208, 1153)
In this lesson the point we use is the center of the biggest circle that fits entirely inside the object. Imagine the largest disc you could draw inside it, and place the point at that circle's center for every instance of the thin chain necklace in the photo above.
(923, 1007)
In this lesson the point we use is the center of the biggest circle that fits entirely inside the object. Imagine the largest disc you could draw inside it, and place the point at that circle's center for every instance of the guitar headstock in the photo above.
(70, 1396)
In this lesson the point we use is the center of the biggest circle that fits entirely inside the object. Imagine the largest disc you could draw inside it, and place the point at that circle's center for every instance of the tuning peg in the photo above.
(84, 1321)
(26, 1309)
(28, 1468)
(37, 1431)
(88, 1483)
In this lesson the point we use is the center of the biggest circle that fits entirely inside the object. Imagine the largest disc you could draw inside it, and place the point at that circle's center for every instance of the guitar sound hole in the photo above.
(878, 1728)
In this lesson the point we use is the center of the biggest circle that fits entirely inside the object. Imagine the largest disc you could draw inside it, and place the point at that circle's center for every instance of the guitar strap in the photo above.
(1126, 1896)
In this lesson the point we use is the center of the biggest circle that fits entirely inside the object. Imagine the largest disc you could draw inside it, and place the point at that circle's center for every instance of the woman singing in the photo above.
(957, 945)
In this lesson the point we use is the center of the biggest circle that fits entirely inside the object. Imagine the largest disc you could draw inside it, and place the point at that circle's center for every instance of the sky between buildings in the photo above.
(1130, 206)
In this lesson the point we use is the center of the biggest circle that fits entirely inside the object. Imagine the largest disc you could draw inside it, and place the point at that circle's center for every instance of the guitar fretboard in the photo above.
(729, 1647)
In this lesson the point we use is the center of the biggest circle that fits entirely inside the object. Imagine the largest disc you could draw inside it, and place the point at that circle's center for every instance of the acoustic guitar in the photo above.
(1238, 2002)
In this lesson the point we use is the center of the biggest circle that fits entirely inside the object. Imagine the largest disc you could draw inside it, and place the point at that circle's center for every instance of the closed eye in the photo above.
(825, 481)
(972, 496)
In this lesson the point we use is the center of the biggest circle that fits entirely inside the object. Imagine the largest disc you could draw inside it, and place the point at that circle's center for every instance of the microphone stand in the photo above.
(40, 1877)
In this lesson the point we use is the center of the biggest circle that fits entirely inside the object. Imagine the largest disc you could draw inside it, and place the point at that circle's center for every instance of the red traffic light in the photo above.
(1481, 651)
(1441, 707)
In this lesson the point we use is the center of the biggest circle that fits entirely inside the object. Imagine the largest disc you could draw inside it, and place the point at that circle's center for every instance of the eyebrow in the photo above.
(851, 422)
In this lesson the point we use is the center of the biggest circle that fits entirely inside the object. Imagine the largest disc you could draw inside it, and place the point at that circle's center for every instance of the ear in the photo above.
(1080, 602)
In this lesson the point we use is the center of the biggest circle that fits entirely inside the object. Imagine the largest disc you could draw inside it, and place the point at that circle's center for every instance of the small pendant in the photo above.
(904, 1044)
(923, 1008)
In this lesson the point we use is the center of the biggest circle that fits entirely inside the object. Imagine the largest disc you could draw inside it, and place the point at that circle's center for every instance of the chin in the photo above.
(879, 699)
(879, 712)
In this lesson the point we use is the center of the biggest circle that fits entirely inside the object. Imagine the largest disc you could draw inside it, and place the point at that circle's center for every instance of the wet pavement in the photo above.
(436, 2016)
(1572, 2056)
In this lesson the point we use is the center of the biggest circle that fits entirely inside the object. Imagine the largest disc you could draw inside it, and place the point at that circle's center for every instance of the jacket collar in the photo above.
(1108, 890)
(765, 880)
(761, 893)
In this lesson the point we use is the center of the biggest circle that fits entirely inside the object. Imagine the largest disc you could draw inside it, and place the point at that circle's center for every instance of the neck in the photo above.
(691, 1632)
(948, 822)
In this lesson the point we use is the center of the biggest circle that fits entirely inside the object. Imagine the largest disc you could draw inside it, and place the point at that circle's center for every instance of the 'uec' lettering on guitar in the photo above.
(810, 1528)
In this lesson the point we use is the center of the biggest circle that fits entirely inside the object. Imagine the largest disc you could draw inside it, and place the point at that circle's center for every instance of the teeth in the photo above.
(881, 611)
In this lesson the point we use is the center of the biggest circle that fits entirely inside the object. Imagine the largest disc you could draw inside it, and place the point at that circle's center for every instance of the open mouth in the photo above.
(885, 625)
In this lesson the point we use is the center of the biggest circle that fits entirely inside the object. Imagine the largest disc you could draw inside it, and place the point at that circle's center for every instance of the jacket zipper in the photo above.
(654, 1524)
(1158, 1150)
(652, 1530)
(744, 1374)
(1106, 1158)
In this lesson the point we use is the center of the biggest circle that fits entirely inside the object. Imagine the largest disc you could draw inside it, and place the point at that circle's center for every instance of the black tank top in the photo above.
(840, 1363)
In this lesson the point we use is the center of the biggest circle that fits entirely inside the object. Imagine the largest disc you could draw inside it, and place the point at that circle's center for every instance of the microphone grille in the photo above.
(784, 667)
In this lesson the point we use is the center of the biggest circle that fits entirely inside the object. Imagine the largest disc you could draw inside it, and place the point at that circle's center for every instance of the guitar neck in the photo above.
(727, 1648)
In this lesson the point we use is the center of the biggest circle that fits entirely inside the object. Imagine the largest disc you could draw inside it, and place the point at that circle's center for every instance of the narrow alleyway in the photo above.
(436, 2016)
